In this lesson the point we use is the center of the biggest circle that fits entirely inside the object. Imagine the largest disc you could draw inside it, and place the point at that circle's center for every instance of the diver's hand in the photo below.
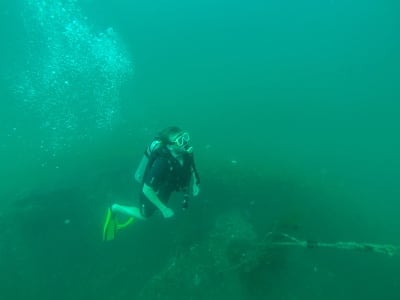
(195, 189)
(167, 212)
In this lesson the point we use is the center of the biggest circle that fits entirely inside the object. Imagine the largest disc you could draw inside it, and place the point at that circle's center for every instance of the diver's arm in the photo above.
(195, 184)
(153, 198)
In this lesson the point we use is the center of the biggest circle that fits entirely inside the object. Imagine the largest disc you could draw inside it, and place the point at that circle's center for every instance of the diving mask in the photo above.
(182, 141)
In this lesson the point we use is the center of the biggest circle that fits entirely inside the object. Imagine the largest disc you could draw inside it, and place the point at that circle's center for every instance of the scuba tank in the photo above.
(142, 167)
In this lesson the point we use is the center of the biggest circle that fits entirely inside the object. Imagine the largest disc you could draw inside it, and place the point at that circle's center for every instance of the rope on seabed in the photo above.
(288, 240)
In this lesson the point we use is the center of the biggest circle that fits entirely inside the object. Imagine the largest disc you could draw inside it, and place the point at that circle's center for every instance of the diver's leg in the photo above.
(130, 211)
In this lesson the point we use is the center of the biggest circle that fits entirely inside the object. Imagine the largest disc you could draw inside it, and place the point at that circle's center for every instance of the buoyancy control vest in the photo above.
(152, 151)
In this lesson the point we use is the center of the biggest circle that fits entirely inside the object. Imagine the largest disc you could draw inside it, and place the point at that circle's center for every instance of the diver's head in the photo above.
(176, 139)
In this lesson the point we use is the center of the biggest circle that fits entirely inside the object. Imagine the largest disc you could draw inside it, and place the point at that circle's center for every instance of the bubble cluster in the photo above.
(74, 75)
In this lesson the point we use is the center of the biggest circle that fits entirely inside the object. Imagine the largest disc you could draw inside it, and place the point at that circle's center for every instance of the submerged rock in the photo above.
(223, 265)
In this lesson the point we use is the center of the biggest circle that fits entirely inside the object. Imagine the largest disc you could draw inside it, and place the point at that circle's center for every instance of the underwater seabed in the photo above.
(51, 245)
(233, 262)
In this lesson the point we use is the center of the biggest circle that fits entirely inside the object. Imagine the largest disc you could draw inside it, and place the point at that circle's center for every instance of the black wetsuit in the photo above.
(165, 175)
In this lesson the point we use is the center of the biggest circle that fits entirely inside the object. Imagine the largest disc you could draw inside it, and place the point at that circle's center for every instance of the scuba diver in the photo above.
(167, 166)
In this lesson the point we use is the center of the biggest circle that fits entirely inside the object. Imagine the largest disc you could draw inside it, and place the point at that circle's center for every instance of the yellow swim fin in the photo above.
(110, 226)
